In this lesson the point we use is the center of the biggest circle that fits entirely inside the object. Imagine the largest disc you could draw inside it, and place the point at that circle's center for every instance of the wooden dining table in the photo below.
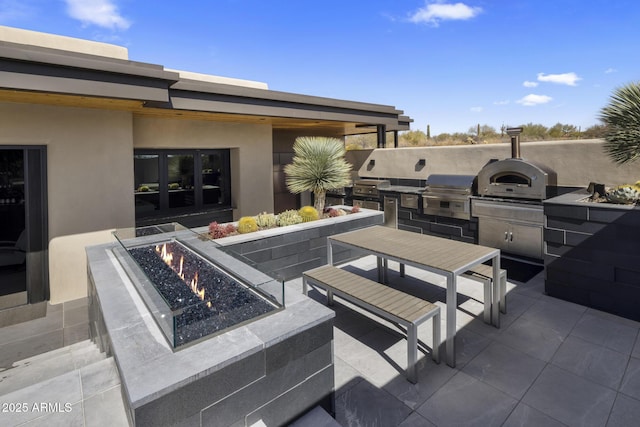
(446, 257)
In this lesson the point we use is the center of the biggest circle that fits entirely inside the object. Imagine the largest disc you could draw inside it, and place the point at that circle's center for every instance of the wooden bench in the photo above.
(484, 273)
(386, 302)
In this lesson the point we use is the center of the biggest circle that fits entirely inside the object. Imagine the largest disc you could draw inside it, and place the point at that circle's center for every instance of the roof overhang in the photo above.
(50, 76)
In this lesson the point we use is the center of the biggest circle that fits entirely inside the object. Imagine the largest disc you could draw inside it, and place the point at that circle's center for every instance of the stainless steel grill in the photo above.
(448, 195)
(366, 192)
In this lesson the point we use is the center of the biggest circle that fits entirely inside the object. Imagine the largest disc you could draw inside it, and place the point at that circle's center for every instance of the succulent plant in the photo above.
(247, 224)
(143, 188)
(625, 194)
(355, 209)
(174, 186)
(266, 220)
(218, 231)
(308, 213)
(336, 212)
(289, 217)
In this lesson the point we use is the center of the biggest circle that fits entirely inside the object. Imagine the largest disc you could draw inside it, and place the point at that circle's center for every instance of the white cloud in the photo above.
(610, 70)
(103, 13)
(569, 79)
(532, 99)
(527, 83)
(503, 102)
(433, 13)
(477, 109)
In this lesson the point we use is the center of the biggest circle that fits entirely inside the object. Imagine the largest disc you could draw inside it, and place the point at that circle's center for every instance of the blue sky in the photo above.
(445, 63)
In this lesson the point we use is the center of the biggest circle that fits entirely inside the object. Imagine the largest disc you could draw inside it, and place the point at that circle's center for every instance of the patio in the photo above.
(550, 363)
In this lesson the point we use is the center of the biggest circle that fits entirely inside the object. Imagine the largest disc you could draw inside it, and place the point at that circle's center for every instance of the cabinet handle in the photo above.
(510, 236)
(506, 236)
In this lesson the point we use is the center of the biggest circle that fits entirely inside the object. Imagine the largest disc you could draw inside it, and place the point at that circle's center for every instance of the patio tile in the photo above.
(416, 420)
(465, 400)
(517, 304)
(506, 369)
(614, 335)
(370, 355)
(468, 345)
(591, 361)
(631, 380)
(99, 377)
(431, 376)
(532, 338)
(58, 391)
(72, 418)
(32, 345)
(105, 409)
(51, 322)
(626, 412)
(569, 398)
(555, 314)
(346, 376)
(525, 415)
(367, 405)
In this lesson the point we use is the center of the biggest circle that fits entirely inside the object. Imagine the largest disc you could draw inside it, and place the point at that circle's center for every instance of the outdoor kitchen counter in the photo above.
(402, 189)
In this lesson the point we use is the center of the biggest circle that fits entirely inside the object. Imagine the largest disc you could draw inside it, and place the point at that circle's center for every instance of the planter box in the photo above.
(286, 252)
(592, 253)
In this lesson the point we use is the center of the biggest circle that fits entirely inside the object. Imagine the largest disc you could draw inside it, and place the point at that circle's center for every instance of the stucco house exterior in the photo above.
(91, 141)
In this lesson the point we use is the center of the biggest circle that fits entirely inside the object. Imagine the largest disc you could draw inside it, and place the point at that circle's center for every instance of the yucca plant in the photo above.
(622, 119)
(318, 165)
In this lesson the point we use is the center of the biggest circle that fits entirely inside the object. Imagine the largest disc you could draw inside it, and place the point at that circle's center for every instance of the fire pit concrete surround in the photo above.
(272, 369)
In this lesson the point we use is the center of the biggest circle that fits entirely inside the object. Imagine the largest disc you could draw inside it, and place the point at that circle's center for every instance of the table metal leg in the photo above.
(329, 252)
(380, 272)
(496, 294)
(451, 319)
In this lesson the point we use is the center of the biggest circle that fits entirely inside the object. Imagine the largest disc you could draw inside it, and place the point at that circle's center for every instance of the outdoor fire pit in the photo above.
(189, 296)
(243, 357)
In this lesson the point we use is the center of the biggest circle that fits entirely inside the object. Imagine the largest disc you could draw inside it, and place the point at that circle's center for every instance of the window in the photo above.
(174, 182)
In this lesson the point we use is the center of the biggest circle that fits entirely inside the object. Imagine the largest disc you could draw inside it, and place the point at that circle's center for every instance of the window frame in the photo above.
(164, 210)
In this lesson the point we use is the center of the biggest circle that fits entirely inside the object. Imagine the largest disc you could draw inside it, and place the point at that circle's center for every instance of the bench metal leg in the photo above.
(435, 345)
(412, 353)
(305, 286)
(401, 270)
(329, 297)
(488, 301)
(380, 273)
(503, 292)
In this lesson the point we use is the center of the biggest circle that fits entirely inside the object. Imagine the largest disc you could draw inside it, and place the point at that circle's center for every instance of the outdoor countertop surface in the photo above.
(403, 189)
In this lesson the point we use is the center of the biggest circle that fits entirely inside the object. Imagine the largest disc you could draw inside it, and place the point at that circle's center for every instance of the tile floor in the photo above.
(551, 363)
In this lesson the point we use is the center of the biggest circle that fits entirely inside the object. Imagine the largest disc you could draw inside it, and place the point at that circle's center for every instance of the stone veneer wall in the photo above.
(285, 253)
(271, 370)
(592, 254)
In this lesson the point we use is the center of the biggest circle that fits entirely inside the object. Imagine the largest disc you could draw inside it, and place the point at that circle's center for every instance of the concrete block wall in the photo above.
(592, 254)
(288, 254)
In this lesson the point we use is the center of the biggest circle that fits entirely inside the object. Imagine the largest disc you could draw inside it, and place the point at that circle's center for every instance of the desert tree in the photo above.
(318, 165)
(622, 120)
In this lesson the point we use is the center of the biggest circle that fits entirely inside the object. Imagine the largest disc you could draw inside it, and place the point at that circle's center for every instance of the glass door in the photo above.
(23, 231)
(13, 234)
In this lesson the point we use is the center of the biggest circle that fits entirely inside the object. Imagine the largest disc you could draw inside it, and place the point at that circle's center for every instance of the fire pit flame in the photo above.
(167, 257)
